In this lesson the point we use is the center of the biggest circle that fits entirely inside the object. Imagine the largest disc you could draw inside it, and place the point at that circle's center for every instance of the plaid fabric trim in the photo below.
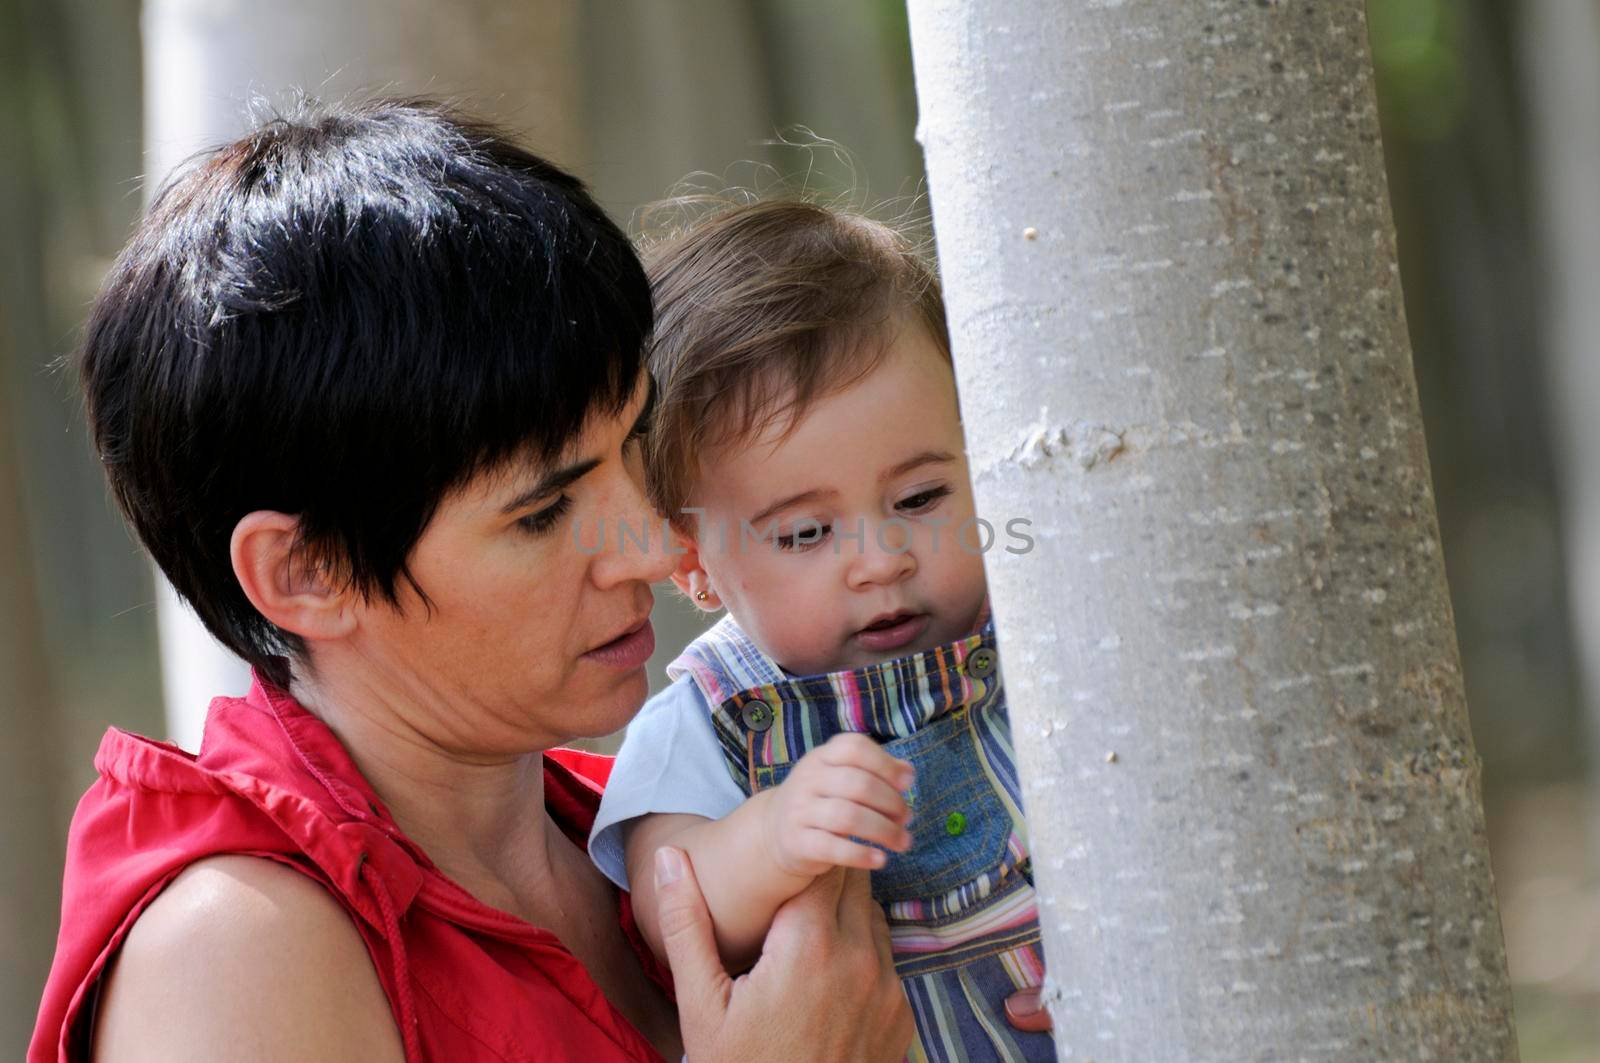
(886, 701)
(960, 1011)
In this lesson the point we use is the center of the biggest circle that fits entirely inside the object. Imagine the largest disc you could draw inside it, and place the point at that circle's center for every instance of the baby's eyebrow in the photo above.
(927, 457)
(814, 494)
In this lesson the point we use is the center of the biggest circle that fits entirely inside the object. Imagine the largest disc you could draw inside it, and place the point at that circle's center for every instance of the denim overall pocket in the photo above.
(959, 825)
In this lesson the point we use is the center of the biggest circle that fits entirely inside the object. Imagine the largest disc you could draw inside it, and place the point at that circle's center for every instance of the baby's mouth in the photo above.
(893, 631)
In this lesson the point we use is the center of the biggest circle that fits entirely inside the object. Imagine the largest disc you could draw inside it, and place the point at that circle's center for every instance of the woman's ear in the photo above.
(690, 578)
(285, 584)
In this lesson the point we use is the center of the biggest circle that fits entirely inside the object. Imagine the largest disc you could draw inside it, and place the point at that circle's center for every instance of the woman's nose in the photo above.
(638, 544)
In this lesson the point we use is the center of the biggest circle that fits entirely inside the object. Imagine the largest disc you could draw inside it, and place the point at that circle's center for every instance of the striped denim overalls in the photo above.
(960, 902)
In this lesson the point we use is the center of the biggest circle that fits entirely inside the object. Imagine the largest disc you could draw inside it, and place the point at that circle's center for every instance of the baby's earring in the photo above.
(701, 595)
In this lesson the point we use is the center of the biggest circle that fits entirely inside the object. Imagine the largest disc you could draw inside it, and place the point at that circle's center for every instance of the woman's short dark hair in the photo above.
(343, 316)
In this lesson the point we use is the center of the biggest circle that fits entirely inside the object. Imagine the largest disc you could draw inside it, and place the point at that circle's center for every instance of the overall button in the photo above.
(955, 824)
(757, 715)
(982, 663)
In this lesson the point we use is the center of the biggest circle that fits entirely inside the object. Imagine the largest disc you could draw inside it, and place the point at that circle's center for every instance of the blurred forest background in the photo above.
(1491, 114)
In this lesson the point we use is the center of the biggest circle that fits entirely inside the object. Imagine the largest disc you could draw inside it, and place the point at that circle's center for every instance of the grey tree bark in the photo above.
(205, 59)
(1170, 269)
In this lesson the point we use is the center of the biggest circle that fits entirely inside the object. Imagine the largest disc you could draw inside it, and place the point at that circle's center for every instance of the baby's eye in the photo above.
(922, 500)
(804, 538)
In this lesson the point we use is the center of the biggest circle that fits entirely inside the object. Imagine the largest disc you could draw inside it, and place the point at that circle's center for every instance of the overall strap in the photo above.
(731, 672)
(724, 661)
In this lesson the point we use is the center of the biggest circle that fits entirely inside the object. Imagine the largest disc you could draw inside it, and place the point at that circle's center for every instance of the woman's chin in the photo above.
(609, 711)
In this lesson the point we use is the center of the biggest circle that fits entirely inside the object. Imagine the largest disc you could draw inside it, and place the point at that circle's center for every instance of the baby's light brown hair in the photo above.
(761, 309)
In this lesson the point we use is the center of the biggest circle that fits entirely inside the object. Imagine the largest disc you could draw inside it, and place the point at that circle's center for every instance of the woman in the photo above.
(355, 381)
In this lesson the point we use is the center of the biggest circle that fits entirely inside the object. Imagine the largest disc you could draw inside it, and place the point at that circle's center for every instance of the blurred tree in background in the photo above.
(79, 639)
(666, 89)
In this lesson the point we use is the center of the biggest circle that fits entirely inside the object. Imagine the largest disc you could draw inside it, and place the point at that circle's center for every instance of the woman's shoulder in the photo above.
(229, 899)
(244, 958)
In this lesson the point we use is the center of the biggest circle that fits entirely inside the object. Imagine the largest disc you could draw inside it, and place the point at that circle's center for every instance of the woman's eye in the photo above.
(803, 538)
(922, 499)
(546, 518)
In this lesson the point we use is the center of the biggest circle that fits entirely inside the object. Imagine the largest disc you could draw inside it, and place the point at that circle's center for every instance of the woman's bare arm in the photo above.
(243, 959)
(742, 886)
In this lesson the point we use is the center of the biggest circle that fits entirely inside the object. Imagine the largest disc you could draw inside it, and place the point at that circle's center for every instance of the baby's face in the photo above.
(883, 457)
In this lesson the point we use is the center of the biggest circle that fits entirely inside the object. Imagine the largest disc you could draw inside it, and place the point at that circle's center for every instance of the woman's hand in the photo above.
(824, 989)
(1025, 1011)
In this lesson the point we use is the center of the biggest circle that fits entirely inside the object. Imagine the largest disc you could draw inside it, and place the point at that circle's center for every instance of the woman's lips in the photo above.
(629, 650)
(896, 636)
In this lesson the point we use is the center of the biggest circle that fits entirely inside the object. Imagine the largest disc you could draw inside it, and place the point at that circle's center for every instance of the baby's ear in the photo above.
(690, 578)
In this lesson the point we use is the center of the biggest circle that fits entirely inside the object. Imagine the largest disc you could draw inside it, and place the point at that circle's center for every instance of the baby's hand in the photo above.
(848, 788)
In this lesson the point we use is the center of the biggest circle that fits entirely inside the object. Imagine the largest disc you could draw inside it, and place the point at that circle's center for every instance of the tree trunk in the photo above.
(1560, 45)
(204, 59)
(1235, 692)
(73, 640)
(29, 759)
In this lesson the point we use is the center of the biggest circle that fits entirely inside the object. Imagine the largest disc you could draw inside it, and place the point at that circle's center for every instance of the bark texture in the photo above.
(1170, 271)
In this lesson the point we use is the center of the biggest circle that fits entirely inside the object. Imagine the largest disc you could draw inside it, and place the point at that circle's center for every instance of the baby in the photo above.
(847, 711)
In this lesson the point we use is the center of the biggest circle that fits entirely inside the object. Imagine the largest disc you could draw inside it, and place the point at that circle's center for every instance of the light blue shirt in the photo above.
(670, 761)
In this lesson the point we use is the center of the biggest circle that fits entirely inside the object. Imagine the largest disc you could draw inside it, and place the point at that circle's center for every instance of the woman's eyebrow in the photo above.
(565, 476)
(927, 457)
(550, 483)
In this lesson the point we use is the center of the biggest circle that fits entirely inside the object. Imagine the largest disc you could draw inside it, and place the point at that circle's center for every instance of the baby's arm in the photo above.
(770, 848)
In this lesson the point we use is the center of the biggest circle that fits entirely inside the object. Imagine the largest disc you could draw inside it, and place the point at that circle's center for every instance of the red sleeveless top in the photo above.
(465, 981)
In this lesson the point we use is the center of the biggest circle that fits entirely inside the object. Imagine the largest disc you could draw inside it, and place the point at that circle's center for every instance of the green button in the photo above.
(982, 662)
(955, 823)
